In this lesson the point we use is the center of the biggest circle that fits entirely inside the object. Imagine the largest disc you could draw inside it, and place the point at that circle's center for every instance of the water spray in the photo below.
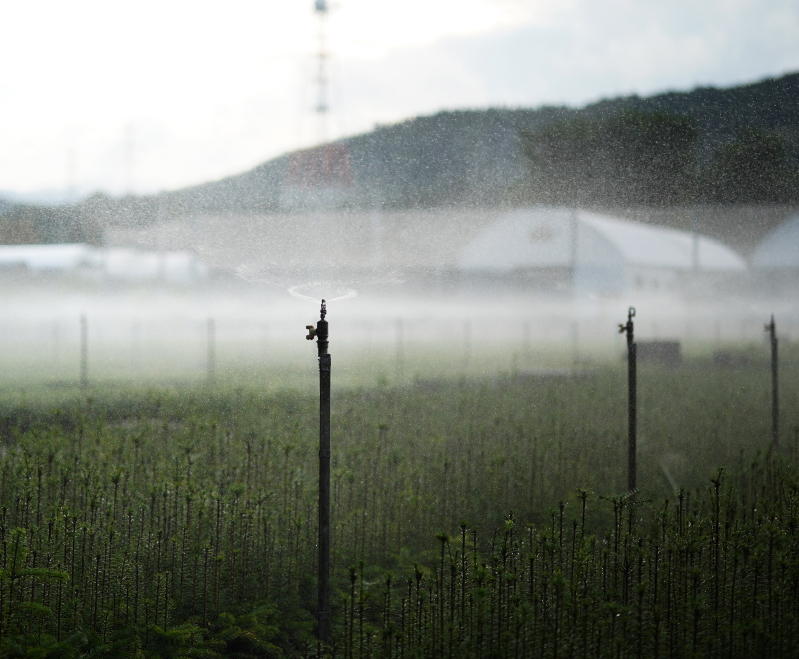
(771, 328)
(627, 328)
(297, 291)
(323, 594)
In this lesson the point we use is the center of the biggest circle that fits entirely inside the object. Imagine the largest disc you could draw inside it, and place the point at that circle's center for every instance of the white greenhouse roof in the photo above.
(780, 248)
(115, 263)
(558, 237)
(646, 245)
(135, 265)
(48, 257)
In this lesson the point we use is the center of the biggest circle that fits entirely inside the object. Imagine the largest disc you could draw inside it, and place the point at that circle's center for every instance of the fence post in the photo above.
(211, 338)
(84, 352)
(400, 351)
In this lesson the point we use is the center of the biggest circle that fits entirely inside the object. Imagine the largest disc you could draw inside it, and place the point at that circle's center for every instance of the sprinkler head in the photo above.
(320, 331)
(628, 326)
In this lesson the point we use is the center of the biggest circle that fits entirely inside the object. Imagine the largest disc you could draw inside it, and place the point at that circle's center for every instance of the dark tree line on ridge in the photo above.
(650, 158)
(721, 146)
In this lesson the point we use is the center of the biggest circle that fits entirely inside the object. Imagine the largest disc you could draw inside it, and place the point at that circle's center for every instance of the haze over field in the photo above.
(436, 112)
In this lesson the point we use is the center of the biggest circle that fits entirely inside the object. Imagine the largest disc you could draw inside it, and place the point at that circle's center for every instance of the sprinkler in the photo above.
(323, 594)
(771, 328)
(627, 328)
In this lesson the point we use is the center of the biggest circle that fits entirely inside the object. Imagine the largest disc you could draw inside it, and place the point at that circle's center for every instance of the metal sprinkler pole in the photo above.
(320, 333)
(771, 328)
(632, 402)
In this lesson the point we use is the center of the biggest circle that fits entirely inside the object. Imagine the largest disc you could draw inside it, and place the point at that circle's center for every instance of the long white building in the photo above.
(592, 253)
(779, 250)
(112, 264)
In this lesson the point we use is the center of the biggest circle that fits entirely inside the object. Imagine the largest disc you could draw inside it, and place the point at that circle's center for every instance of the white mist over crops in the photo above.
(399, 310)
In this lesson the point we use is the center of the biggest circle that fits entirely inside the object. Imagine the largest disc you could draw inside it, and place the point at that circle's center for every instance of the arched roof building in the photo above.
(780, 248)
(174, 267)
(590, 252)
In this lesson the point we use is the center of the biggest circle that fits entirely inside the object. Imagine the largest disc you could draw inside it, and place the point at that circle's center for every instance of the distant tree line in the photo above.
(713, 146)
(650, 158)
(25, 224)
(28, 224)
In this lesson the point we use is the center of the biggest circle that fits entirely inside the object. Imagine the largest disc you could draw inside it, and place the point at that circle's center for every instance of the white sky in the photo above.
(204, 90)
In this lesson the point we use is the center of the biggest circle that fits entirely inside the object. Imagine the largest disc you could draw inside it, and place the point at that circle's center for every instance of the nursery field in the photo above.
(471, 517)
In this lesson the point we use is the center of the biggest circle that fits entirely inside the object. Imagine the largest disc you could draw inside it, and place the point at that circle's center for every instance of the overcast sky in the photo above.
(160, 94)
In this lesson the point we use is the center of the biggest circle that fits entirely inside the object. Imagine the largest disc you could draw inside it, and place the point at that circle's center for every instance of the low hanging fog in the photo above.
(412, 294)
(470, 243)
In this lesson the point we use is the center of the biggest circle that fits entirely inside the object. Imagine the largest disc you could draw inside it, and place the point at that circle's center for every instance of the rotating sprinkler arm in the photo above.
(628, 326)
(770, 328)
(320, 331)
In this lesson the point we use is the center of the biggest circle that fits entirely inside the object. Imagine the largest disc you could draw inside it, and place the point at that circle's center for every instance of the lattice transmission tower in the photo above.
(322, 79)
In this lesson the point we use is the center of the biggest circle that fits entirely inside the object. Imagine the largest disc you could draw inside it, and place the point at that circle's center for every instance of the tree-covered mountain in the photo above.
(478, 156)
(638, 158)
(658, 150)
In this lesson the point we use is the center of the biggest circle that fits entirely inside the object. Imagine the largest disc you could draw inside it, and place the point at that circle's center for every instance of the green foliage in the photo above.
(631, 158)
(635, 158)
(712, 574)
(752, 169)
(28, 224)
(182, 523)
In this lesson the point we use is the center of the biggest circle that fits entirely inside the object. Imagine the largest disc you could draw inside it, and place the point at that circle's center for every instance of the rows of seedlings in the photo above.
(153, 537)
(714, 573)
(183, 523)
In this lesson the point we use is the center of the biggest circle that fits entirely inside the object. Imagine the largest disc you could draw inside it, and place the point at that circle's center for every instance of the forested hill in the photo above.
(477, 156)
(496, 157)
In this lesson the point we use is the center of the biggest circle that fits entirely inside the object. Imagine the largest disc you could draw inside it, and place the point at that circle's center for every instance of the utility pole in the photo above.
(129, 146)
(771, 328)
(323, 593)
(322, 105)
(632, 402)
(70, 192)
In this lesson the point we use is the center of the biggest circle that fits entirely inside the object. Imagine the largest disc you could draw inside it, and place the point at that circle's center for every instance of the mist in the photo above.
(402, 305)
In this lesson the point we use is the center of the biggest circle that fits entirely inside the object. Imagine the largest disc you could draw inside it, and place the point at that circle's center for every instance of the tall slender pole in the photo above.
(211, 338)
(400, 356)
(323, 592)
(771, 328)
(84, 352)
(467, 344)
(632, 401)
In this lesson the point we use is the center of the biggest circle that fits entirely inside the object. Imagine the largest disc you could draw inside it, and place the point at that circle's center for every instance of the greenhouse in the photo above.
(588, 252)
(780, 248)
